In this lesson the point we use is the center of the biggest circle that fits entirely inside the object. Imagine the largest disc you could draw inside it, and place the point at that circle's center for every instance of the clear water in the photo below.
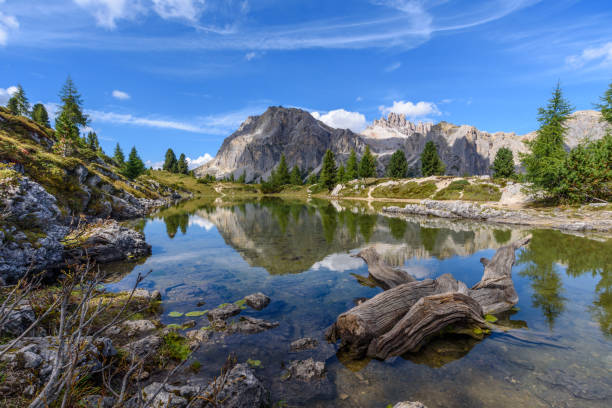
(297, 253)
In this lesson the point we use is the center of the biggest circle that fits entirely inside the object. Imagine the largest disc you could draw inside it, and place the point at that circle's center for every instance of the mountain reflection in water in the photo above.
(299, 254)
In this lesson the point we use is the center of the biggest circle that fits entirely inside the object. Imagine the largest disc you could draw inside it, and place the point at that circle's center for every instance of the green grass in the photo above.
(412, 189)
(481, 192)
(453, 191)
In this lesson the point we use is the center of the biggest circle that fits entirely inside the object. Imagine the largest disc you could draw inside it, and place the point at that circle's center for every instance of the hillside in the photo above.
(256, 147)
(44, 195)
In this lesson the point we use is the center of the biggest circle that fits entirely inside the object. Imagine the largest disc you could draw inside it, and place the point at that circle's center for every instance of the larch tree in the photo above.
(431, 164)
(282, 175)
(181, 165)
(544, 164)
(18, 104)
(40, 115)
(118, 156)
(170, 163)
(503, 165)
(398, 165)
(367, 165)
(72, 104)
(352, 166)
(296, 176)
(328, 170)
(134, 166)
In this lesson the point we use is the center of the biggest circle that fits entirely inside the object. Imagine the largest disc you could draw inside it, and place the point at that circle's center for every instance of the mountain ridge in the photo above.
(255, 148)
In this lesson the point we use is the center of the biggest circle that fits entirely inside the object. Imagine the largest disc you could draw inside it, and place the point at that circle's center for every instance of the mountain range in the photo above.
(256, 147)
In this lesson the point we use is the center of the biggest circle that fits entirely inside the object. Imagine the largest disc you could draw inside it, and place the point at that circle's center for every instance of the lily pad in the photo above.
(196, 313)
(175, 314)
(254, 363)
(174, 326)
(490, 318)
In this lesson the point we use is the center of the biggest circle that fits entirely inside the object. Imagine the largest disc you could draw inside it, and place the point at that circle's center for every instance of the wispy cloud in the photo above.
(250, 55)
(8, 23)
(411, 110)
(402, 24)
(5, 94)
(120, 95)
(393, 67)
(595, 57)
(220, 124)
(198, 161)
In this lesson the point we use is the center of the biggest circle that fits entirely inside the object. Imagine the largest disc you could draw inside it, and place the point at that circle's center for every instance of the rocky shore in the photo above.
(584, 219)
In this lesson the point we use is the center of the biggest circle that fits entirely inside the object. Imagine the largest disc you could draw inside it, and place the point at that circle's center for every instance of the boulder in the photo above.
(224, 312)
(238, 388)
(409, 404)
(19, 319)
(257, 300)
(134, 327)
(144, 347)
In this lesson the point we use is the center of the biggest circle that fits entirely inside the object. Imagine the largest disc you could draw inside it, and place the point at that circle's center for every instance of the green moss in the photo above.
(490, 318)
(175, 314)
(196, 313)
(175, 347)
(241, 303)
(195, 366)
(254, 363)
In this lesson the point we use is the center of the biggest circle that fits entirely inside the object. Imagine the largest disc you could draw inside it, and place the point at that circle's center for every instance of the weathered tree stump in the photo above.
(402, 318)
(386, 276)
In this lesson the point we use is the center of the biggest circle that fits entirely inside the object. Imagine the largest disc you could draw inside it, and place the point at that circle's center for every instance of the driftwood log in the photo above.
(402, 318)
(386, 276)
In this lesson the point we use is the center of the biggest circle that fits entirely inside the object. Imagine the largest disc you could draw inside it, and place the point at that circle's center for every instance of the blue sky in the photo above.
(185, 73)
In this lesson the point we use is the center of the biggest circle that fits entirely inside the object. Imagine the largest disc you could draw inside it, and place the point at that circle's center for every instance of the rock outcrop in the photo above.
(256, 147)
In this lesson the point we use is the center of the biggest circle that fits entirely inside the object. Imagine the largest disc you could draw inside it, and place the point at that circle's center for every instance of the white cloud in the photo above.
(596, 56)
(250, 55)
(339, 263)
(411, 110)
(156, 165)
(5, 94)
(359, 99)
(121, 118)
(107, 12)
(393, 67)
(185, 9)
(7, 23)
(201, 222)
(342, 119)
(120, 95)
(197, 162)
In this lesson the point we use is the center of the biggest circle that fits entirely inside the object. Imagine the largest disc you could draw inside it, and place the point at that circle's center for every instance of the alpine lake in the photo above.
(206, 253)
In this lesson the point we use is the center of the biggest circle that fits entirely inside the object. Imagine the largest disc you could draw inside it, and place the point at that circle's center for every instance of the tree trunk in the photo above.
(387, 276)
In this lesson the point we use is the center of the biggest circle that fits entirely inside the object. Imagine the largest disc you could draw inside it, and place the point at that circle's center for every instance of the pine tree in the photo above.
(91, 141)
(367, 165)
(312, 179)
(134, 166)
(170, 163)
(18, 104)
(431, 165)
(398, 166)
(296, 176)
(352, 167)
(282, 172)
(72, 104)
(605, 107)
(328, 170)
(181, 166)
(118, 156)
(65, 128)
(40, 115)
(544, 164)
(242, 178)
(231, 178)
(503, 165)
(341, 174)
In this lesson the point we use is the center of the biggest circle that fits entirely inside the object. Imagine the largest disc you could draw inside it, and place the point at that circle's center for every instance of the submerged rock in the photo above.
(408, 404)
(306, 343)
(251, 325)
(224, 312)
(257, 300)
(306, 370)
(240, 388)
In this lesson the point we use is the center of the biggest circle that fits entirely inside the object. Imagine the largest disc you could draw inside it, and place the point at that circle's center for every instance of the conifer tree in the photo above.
(605, 107)
(312, 179)
(352, 167)
(367, 165)
(170, 163)
(181, 166)
(282, 176)
(296, 176)
(503, 165)
(18, 104)
(431, 165)
(72, 104)
(118, 156)
(328, 170)
(40, 115)
(398, 166)
(544, 164)
(231, 178)
(65, 128)
(134, 166)
(341, 174)
(242, 178)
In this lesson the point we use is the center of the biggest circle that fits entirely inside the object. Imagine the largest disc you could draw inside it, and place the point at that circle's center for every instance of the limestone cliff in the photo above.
(256, 147)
